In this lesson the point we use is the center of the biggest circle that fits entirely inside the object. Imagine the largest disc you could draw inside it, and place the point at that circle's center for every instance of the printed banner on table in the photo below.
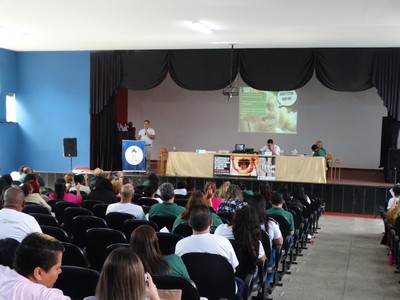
(133, 156)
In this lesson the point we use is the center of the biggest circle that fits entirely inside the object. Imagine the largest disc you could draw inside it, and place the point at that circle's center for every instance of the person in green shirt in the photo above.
(277, 209)
(144, 242)
(196, 198)
(167, 207)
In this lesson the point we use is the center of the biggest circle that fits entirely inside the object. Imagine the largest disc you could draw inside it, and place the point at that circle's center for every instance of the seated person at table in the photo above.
(167, 207)
(36, 268)
(270, 147)
(317, 151)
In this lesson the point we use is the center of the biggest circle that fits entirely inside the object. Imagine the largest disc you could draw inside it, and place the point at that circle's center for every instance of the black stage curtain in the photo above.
(344, 70)
(276, 69)
(203, 70)
(143, 70)
(104, 79)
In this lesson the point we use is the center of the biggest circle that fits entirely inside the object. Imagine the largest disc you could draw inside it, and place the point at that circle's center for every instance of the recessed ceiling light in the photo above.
(201, 27)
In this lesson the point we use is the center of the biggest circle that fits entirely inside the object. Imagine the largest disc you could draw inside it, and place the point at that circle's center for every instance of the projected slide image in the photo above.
(267, 112)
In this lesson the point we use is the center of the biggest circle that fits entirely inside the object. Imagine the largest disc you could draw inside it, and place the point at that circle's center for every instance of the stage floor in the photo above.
(360, 177)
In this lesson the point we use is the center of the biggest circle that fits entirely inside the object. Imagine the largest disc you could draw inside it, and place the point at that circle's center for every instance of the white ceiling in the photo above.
(35, 25)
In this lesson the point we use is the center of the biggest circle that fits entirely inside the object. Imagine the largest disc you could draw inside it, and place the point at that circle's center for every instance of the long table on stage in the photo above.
(288, 168)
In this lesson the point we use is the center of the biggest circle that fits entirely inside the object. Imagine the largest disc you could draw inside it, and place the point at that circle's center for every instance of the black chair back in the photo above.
(77, 282)
(146, 201)
(167, 242)
(115, 220)
(45, 219)
(283, 224)
(226, 215)
(99, 210)
(181, 201)
(34, 208)
(172, 282)
(130, 225)
(183, 229)
(112, 247)
(163, 221)
(74, 256)
(217, 280)
(90, 203)
(70, 213)
(52, 203)
(81, 224)
(56, 232)
(59, 208)
(97, 241)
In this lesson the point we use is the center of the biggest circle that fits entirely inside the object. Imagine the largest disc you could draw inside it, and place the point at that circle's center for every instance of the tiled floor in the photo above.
(345, 261)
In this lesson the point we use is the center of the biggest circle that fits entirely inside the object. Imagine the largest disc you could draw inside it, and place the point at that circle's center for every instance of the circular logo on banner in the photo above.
(134, 155)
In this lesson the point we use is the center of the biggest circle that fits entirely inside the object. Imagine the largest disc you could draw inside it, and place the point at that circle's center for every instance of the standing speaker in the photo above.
(70, 147)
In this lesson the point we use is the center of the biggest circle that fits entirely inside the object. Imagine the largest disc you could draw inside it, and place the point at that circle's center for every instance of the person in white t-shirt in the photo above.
(36, 268)
(147, 135)
(13, 222)
(270, 147)
(125, 205)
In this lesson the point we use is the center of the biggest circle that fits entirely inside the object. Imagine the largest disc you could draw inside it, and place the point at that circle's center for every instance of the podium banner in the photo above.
(133, 157)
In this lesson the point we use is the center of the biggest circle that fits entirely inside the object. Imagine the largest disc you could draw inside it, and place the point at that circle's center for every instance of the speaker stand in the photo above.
(71, 162)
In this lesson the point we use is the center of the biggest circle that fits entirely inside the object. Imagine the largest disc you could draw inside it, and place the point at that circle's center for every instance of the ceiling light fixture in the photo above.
(201, 27)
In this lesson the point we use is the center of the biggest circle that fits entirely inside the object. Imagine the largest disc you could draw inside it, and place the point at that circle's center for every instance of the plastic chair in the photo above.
(163, 221)
(97, 241)
(115, 220)
(35, 208)
(56, 232)
(99, 210)
(90, 203)
(74, 256)
(183, 229)
(77, 282)
(172, 282)
(212, 273)
(53, 202)
(112, 247)
(59, 208)
(130, 225)
(70, 213)
(146, 201)
(167, 242)
(45, 219)
(81, 224)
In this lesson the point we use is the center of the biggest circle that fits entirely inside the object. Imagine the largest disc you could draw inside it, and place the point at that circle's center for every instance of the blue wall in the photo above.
(8, 131)
(52, 104)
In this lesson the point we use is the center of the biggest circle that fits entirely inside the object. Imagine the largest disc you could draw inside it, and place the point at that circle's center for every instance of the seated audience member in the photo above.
(82, 180)
(395, 192)
(36, 268)
(152, 178)
(393, 213)
(13, 222)
(300, 195)
(8, 246)
(269, 225)
(125, 205)
(264, 189)
(233, 200)
(246, 231)
(203, 241)
(103, 191)
(210, 189)
(223, 189)
(36, 177)
(150, 192)
(167, 207)
(97, 175)
(123, 278)
(3, 187)
(24, 170)
(196, 198)
(181, 188)
(34, 194)
(117, 185)
(69, 179)
(144, 242)
(60, 192)
(190, 185)
(277, 203)
(8, 179)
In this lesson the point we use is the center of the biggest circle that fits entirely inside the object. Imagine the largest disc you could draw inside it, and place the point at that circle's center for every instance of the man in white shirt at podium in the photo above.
(147, 135)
